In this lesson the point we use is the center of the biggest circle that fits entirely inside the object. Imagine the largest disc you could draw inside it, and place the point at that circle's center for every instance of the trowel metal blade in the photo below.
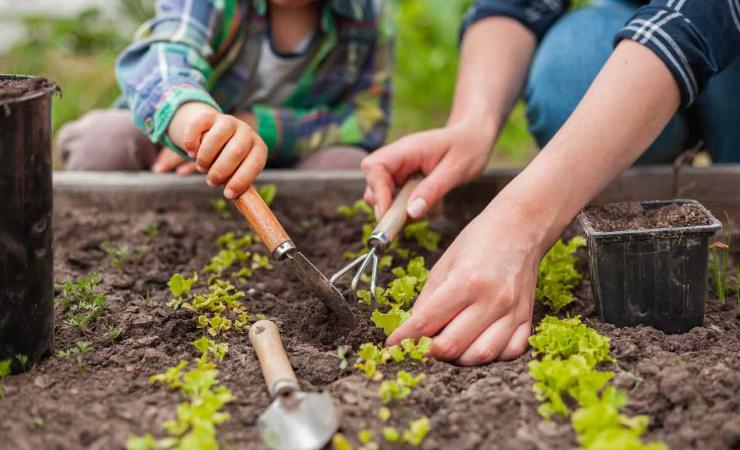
(306, 422)
(327, 292)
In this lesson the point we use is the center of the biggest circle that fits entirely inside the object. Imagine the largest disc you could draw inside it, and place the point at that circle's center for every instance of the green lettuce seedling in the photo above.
(360, 206)
(221, 207)
(424, 236)
(76, 354)
(558, 275)
(417, 431)
(268, 193)
(390, 320)
(400, 388)
(4, 372)
(562, 338)
(180, 286)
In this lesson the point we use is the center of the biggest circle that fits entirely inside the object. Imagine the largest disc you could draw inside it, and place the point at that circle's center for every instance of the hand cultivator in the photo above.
(295, 420)
(383, 234)
(276, 239)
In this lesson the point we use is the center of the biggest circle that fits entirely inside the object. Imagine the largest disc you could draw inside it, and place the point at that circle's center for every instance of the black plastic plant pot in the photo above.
(655, 277)
(26, 251)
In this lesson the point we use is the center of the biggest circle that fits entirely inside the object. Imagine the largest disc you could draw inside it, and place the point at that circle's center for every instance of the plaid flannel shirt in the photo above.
(206, 50)
(695, 39)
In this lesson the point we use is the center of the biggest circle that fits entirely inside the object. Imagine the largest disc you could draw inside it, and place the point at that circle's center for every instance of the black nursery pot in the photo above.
(26, 252)
(655, 277)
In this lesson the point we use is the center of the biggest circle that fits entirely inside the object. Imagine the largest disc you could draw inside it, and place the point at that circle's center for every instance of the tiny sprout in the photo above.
(23, 360)
(151, 230)
(113, 332)
(342, 354)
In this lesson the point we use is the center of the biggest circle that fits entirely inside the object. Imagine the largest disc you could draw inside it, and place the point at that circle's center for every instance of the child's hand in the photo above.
(224, 147)
(168, 161)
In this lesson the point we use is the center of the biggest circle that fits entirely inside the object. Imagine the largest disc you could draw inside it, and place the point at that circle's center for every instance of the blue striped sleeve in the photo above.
(695, 39)
(536, 15)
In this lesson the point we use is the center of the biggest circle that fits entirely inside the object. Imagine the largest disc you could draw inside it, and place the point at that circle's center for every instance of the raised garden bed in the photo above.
(688, 384)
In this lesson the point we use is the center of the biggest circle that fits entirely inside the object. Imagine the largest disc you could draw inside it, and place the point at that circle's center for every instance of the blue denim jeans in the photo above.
(572, 53)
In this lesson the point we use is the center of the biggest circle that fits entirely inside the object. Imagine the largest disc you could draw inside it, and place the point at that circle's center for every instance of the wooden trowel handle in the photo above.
(261, 219)
(394, 219)
(274, 362)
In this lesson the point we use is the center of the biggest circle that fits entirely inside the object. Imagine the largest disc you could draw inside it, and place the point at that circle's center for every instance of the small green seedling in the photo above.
(400, 388)
(113, 332)
(121, 255)
(342, 351)
(221, 207)
(152, 230)
(417, 431)
(82, 302)
(359, 207)
(4, 372)
(268, 193)
(558, 275)
(424, 236)
(76, 354)
(22, 360)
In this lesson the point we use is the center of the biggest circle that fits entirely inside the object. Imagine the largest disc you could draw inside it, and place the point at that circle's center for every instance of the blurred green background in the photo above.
(79, 53)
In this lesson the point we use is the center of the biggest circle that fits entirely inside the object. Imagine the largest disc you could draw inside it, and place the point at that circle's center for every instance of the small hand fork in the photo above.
(384, 232)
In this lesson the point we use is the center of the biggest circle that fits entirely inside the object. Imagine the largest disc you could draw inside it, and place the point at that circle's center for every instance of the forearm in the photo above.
(496, 53)
(630, 102)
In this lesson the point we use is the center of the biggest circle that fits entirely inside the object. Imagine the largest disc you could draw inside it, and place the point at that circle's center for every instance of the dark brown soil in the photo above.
(12, 88)
(689, 384)
(632, 216)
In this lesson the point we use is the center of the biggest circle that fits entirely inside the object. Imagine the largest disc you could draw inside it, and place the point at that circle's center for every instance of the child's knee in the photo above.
(104, 140)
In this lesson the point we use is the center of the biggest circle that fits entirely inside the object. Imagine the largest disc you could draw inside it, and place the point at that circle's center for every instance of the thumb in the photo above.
(432, 188)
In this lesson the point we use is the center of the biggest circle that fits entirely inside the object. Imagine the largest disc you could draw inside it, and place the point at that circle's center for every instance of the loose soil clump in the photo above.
(688, 384)
(632, 216)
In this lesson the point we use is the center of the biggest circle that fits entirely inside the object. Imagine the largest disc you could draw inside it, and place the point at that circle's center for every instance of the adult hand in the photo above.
(477, 303)
(227, 149)
(168, 161)
(448, 157)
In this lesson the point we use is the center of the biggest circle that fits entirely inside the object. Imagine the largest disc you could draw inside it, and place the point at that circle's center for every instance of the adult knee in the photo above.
(566, 63)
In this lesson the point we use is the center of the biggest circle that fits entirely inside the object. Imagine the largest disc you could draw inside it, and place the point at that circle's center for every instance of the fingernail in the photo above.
(229, 194)
(157, 168)
(210, 183)
(200, 168)
(417, 208)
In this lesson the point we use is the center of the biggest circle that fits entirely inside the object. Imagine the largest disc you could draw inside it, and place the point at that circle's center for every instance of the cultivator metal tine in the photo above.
(374, 277)
(368, 259)
(347, 268)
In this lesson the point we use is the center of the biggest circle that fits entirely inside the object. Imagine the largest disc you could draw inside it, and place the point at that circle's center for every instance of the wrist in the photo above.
(184, 116)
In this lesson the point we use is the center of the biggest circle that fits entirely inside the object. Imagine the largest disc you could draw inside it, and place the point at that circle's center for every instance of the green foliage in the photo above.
(721, 271)
(221, 207)
(342, 355)
(113, 332)
(268, 192)
(180, 286)
(417, 431)
(424, 236)
(371, 356)
(340, 442)
(4, 372)
(194, 426)
(558, 275)
(390, 320)
(400, 388)
(151, 230)
(22, 360)
(359, 207)
(566, 374)
(391, 434)
(120, 255)
(76, 354)
(563, 338)
(81, 301)
(221, 296)
(384, 413)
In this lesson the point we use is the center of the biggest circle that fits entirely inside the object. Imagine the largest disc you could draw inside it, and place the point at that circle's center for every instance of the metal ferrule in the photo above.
(378, 240)
(283, 250)
(284, 387)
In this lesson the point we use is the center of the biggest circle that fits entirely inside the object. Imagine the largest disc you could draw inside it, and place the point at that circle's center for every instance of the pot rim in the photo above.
(31, 96)
(712, 227)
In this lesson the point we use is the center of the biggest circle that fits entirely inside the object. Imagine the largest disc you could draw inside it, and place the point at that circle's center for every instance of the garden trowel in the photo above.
(295, 420)
(273, 235)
